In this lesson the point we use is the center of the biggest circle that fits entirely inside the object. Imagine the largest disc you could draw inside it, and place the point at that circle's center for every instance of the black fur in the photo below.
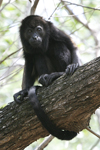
(48, 53)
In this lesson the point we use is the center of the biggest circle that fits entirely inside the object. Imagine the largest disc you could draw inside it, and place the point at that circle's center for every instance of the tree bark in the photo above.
(69, 102)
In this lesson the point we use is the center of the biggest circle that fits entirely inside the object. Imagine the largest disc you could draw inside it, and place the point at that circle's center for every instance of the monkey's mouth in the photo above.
(35, 43)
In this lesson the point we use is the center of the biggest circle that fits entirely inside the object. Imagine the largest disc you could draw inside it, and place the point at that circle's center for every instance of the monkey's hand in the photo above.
(71, 68)
(47, 79)
(18, 97)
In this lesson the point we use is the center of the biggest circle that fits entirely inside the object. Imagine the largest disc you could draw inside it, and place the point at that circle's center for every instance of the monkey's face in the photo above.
(34, 33)
(34, 36)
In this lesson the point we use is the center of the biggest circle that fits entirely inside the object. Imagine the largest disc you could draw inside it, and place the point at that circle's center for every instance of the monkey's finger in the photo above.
(71, 69)
(17, 99)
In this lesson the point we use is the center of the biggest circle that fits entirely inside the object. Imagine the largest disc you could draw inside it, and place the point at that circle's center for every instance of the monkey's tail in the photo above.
(46, 122)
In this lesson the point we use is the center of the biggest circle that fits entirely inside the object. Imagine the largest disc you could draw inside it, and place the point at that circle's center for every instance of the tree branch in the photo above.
(98, 9)
(9, 56)
(1, 2)
(45, 142)
(78, 20)
(33, 9)
(5, 5)
(75, 98)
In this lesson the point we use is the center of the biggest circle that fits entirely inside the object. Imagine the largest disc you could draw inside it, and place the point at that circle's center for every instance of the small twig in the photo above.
(81, 5)
(33, 9)
(54, 11)
(75, 17)
(11, 76)
(5, 5)
(9, 56)
(95, 144)
(93, 132)
(84, 24)
(72, 4)
(45, 143)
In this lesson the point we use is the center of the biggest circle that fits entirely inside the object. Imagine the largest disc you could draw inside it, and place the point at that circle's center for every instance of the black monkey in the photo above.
(48, 53)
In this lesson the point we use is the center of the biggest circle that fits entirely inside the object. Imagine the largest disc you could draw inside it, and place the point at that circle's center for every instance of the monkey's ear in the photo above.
(55, 33)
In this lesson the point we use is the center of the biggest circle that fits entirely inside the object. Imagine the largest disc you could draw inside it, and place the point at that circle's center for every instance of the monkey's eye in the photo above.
(39, 28)
(29, 30)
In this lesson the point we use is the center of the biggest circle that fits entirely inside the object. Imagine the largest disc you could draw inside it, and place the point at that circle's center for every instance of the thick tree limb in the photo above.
(69, 102)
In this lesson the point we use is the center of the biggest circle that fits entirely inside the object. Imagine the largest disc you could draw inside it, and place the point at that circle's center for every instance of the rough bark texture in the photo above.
(69, 102)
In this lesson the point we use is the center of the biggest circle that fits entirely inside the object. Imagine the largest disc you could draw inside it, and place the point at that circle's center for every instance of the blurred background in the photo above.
(81, 20)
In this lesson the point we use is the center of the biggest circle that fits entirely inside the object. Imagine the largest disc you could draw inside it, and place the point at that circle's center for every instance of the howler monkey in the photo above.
(48, 53)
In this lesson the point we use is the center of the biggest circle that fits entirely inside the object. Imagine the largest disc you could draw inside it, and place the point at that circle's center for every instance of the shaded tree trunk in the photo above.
(69, 102)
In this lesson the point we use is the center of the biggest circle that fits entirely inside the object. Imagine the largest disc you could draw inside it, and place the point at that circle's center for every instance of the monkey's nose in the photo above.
(35, 38)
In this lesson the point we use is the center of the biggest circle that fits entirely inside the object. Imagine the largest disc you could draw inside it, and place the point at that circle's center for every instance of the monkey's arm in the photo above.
(28, 82)
(47, 79)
